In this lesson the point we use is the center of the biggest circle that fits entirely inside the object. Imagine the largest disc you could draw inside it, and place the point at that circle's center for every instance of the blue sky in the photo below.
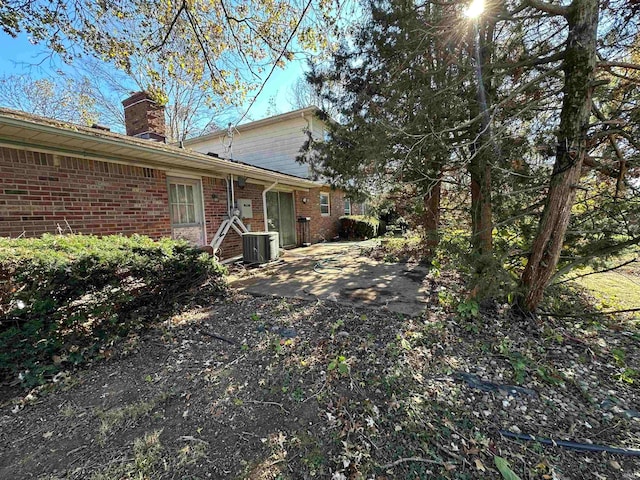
(19, 56)
(278, 87)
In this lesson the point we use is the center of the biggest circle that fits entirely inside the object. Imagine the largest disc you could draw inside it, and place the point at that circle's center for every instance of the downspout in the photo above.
(228, 195)
(233, 199)
(264, 204)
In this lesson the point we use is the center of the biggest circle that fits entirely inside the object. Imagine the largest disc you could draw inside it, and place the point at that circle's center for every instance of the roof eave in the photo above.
(302, 112)
(162, 158)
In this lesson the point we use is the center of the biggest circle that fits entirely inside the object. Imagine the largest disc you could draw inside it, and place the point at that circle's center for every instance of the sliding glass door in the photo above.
(281, 217)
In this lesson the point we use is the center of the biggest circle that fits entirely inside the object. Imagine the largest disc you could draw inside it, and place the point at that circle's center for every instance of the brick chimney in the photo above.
(144, 117)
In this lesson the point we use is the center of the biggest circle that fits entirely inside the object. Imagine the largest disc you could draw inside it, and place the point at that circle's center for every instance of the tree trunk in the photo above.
(480, 164)
(579, 67)
(431, 220)
(481, 215)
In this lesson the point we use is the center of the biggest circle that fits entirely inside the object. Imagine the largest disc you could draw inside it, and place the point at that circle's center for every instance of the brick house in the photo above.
(58, 176)
(275, 143)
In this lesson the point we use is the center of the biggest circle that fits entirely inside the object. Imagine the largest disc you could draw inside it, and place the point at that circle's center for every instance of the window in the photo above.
(347, 206)
(183, 206)
(324, 204)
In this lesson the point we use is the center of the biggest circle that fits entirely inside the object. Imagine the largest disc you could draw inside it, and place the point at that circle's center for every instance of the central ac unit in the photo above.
(260, 247)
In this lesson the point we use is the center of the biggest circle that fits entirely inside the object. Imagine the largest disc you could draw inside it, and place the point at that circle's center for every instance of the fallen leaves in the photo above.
(379, 410)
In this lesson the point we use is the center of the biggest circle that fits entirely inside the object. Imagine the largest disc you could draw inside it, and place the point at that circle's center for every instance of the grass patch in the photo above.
(147, 457)
(395, 249)
(612, 290)
(192, 453)
(117, 418)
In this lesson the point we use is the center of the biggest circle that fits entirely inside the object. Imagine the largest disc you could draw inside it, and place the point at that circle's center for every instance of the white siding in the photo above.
(273, 146)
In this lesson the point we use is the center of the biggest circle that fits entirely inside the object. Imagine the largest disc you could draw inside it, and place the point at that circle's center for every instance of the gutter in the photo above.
(210, 164)
(264, 204)
(255, 124)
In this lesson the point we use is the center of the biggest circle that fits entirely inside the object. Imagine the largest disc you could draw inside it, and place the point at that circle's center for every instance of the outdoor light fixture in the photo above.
(475, 9)
(305, 200)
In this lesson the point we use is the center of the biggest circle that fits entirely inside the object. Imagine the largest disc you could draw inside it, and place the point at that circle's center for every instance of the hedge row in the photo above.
(62, 298)
(359, 226)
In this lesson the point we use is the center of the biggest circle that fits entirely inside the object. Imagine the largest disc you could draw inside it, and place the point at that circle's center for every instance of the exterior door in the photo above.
(185, 207)
(280, 217)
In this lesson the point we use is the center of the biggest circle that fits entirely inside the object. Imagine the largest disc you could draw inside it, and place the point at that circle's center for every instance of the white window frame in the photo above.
(196, 203)
(327, 204)
(347, 210)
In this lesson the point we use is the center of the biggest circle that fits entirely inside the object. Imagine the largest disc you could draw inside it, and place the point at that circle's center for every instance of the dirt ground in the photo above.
(268, 388)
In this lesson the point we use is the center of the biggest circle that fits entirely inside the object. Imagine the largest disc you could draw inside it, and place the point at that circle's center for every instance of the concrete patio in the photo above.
(339, 272)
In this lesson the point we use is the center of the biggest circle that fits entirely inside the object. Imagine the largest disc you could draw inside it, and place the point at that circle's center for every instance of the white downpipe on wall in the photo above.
(232, 221)
(228, 195)
(264, 204)
(233, 198)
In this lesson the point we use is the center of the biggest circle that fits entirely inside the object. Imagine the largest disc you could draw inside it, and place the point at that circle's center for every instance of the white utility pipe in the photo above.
(233, 199)
(227, 195)
(264, 204)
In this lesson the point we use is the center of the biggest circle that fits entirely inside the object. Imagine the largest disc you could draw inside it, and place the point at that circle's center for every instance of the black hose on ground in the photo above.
(581, 447)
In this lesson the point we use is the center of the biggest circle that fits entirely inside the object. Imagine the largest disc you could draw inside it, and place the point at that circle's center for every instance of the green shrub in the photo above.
(410, 247)
(358, 226)
(62, 298)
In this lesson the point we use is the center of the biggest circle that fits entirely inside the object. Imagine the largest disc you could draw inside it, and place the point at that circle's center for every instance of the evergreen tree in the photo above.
(581, 123)
(551, 149)
(400, 88)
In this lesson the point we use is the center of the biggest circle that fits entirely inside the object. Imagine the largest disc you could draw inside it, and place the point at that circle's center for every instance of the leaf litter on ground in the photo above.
(354, 393)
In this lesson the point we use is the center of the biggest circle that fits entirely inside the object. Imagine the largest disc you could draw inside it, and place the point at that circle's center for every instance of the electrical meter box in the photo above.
(246, 208)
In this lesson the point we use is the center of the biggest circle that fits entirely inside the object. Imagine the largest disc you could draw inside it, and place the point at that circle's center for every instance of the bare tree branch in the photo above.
(633, 260)
(168, 33)
(604, 169)
(549, 8)
(614, 143)
(633, 66)
(533, 61)
(275, 64)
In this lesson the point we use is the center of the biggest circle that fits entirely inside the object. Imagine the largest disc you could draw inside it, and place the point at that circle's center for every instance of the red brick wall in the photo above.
(38, 193)
(143, 115)
(322, 227)
(215, 209)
